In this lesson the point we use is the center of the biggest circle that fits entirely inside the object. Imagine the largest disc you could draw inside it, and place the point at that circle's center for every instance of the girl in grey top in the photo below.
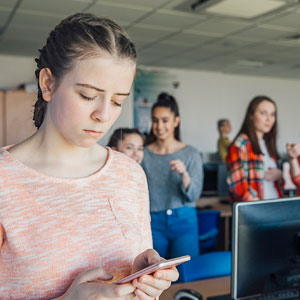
(175, 177)
(166, 186)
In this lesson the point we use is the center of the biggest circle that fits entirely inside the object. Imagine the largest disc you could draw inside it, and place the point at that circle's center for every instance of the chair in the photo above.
(209, 265)
(208, 228)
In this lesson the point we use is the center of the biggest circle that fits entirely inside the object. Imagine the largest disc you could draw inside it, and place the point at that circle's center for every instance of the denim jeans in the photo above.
(175, 232)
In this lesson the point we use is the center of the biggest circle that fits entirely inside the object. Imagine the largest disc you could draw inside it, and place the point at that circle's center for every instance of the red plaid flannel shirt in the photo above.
(246, 171)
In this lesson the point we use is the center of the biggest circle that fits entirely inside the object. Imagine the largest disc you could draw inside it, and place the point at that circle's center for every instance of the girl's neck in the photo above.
(53, 147)
(48, 146)
(52, 157)
(166, 146)
(260, 135)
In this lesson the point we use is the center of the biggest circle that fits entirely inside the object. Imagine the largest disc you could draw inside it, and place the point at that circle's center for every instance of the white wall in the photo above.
(15, 70)
(203, 98)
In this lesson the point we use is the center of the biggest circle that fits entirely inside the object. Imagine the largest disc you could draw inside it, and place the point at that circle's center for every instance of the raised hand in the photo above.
(273, 174)
(293, 150)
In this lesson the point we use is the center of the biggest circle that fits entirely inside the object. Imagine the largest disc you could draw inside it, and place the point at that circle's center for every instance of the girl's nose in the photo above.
(102, 111)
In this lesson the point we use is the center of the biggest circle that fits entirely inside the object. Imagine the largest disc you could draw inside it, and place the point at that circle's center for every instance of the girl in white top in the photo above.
(55, 243)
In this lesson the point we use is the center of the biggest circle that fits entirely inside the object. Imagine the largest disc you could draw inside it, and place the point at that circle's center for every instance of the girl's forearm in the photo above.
(295, 168)
(186, 180)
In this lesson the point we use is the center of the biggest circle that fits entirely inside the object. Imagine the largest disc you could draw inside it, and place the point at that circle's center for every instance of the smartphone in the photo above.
(165, 264)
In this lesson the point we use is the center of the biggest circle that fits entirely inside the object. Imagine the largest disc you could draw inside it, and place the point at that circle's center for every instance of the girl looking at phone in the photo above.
(74, 215)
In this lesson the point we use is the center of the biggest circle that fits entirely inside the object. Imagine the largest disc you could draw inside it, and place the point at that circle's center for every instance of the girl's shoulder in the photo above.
(119, 160)
(4, 155)
(191, 149)
(241, 141)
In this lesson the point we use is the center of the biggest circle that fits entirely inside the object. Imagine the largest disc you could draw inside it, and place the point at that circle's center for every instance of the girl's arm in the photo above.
(294, 155)
(89, 286)
(295, 171)
(191, 176)
(179, 167)
(237, 181)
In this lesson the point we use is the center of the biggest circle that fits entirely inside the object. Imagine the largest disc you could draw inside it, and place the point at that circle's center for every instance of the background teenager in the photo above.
(129, 141)
(293, 151)
(224, 128)
(74, 214)
(175, 178)
(252, 157)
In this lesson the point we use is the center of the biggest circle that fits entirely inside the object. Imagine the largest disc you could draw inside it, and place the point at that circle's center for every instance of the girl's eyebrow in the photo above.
(99, 90)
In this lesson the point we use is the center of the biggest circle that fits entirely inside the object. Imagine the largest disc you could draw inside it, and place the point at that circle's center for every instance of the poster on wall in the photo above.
(148, 85)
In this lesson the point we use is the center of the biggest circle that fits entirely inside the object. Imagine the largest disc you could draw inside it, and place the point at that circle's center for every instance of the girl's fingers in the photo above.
(112, 290)
(143, 296)
(158, 284)
(148, 289)
(167, 274)
(93, 275)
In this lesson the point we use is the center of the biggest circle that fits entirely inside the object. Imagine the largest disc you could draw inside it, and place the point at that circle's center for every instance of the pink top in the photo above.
(55, 228)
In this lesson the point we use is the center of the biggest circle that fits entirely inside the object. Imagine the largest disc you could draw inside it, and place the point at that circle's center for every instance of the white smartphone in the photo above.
(165, 264)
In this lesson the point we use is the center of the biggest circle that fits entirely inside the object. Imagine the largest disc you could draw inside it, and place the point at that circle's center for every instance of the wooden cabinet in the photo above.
(17, 113)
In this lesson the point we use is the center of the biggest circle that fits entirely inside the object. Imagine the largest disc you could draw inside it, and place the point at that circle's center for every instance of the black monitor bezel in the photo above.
(235, 217)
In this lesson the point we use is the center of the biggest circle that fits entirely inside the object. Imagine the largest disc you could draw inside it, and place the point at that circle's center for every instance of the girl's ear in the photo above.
(114, 148)
(46, 81)
(177, 121)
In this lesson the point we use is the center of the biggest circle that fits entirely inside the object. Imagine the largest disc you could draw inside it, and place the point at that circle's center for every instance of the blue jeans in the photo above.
(175, 232)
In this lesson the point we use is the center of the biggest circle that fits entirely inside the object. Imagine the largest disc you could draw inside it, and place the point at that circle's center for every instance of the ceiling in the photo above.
(168, 33)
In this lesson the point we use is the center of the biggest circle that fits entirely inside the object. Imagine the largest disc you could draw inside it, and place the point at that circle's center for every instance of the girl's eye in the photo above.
(88, 98)
(116, 103)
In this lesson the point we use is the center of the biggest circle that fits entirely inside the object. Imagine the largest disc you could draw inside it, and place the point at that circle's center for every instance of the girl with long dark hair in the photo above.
(175, 176)
(252, 157)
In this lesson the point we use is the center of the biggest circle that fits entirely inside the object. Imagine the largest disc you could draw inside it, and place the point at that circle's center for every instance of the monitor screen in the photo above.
(265, 246)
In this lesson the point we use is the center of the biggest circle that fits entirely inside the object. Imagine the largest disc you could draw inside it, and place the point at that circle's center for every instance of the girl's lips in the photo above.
(93, 133)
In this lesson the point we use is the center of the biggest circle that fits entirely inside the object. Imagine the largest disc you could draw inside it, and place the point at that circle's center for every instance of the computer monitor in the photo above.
(265, 246)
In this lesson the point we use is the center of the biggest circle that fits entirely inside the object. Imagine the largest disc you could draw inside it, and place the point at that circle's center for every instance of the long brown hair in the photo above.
(248, 128)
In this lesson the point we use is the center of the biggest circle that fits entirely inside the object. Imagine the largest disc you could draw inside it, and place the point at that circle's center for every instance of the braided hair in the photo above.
(79, 36)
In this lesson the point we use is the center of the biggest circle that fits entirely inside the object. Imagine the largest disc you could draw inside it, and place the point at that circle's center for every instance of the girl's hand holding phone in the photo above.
(88, 286)
(150, 286)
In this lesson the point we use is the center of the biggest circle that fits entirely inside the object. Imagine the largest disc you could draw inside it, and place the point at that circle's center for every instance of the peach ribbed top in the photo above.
(55, 228)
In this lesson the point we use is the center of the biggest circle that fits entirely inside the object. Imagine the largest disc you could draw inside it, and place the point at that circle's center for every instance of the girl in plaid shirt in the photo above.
(252, 157)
